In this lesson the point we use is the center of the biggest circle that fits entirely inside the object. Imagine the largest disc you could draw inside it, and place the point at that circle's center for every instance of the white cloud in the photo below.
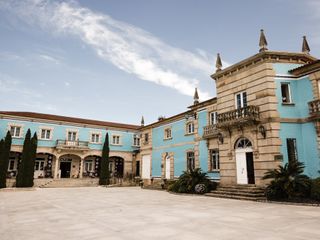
(127, 47)
(48, 58)
(67, 84)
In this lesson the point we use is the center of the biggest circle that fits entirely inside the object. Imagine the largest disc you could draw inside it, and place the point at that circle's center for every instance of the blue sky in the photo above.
(117, 60)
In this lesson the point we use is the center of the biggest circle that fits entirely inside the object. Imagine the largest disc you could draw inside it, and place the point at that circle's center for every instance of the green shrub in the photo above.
(288, 182)
(189, 179)
(315, 189)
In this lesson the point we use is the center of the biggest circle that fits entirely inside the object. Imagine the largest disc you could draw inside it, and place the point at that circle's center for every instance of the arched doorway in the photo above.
(91, 166)
(244, 161)
(69, 166)
(116, 167)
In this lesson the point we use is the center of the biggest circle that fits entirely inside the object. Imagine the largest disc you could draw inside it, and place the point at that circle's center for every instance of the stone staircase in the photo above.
(69, 182)
(241, 192)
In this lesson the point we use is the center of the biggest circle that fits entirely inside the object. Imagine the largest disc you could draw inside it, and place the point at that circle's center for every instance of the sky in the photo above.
(118, 60)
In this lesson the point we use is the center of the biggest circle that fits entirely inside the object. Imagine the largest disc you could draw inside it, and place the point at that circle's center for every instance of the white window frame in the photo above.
(213, 118)
(189, 130)
(45, 129)
(167, 133)
(214, 152)
(76, 131)
(93, 140)
(136, 140)
(37, 167)
(14, 164)
(15, 125)
(242, 102)
(188, 158)
(289, 92)
(88, 166)
(114, 136)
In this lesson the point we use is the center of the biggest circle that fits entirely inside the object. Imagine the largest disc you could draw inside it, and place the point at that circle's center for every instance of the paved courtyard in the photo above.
(133, 213)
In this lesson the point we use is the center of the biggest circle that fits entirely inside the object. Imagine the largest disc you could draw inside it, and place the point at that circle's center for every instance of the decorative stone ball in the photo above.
(200, 188)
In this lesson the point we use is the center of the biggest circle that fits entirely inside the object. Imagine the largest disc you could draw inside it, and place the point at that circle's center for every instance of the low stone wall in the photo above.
(11, 182)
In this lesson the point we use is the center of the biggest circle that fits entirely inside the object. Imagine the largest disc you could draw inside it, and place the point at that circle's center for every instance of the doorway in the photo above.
(65, 168)
(167, 170)
(244, 162)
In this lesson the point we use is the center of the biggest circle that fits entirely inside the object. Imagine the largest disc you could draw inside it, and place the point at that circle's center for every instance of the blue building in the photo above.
(266, 113)
(70, 147)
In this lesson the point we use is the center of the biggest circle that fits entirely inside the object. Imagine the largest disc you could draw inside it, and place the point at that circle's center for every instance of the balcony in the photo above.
(74, 145)
(210, 131)
(314, 108)
(242, 116)
(239, 117)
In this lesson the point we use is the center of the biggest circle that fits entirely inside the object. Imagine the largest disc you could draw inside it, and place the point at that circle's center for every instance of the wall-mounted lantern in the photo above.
(220, 137)
(262, 131)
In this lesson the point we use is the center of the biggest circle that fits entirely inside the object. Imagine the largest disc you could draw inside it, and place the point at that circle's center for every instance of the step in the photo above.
(235, 197)
(237, 190)
(60, 183)
(249, 194)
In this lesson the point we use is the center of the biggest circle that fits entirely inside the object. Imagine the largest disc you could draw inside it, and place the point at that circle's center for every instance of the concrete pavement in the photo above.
(133, 213)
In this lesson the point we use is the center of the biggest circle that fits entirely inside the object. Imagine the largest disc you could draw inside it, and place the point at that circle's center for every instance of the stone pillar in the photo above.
(81, 168)
(56, 167)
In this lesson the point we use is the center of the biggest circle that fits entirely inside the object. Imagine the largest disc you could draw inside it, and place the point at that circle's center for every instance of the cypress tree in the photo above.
(22, 178)
(104, 168)
(4, 159)
(31, 160)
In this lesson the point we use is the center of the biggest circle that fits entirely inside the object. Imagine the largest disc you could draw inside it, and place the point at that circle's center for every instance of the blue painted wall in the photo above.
(59, 132)
(306, 145)
(304, 133)
(179, 145)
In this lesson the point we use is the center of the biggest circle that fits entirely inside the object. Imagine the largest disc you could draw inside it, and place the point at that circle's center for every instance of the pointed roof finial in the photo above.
(262, 42)
(218, 63)
(305, 45)
(196, 96)
(142, 121)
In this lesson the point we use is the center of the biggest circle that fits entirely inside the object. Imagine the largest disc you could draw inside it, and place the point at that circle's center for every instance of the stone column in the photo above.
(81, 168)
(56, 167)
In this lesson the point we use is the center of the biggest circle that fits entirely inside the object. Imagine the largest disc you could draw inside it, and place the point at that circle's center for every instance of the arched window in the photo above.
(243, 143)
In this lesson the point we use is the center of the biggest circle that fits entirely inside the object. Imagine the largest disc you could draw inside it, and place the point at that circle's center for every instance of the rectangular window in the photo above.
(292, 150)
(11, 165)
(167, 133)
(45, 134)
(88, 166)
(72, 136)
(190, 128)
(213, 118)
(190, 161)
(15, 131)
(39, 165)
(241, 100)
(286, 93)
(136, 140)
(146, 138)
(214, 160)
(95, 138)
(115, 139)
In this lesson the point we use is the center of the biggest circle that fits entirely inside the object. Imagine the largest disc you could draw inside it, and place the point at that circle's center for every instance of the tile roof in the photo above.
(69, 119)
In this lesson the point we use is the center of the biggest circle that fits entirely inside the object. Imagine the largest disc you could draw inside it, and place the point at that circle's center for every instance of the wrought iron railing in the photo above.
(314, 107)
(72, 144)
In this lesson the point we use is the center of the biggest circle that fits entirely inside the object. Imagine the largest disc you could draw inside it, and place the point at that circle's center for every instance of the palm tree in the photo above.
(288, 181)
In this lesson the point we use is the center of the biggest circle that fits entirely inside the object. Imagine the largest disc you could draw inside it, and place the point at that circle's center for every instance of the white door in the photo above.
(146, 166)
(167, 175)
(241, 161)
